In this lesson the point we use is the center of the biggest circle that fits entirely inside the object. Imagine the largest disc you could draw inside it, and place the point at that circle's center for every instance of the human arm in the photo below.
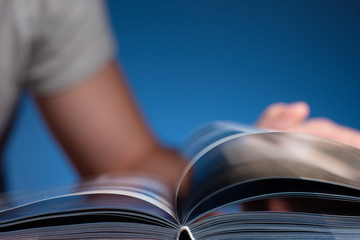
(101, 130)
(294, 117)
(84, 96)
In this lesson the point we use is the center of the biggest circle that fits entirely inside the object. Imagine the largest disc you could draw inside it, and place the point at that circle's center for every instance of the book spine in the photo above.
(185, 234)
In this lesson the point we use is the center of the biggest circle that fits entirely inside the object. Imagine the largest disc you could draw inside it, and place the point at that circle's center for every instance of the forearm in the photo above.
(101, 129)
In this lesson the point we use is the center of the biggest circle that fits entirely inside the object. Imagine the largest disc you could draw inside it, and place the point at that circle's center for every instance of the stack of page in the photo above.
(240, 183)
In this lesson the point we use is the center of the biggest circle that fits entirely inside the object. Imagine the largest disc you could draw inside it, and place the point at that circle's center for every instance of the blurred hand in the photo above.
(294, 117)
(167, 165)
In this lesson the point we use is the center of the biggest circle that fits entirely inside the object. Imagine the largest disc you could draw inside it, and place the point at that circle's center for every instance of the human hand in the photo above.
(166, 164)
(294, 117)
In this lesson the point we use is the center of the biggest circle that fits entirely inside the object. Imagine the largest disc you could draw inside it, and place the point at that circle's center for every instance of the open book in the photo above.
(240, 183)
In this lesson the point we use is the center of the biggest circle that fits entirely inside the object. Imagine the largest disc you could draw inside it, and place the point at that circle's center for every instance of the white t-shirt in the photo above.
(49, 46)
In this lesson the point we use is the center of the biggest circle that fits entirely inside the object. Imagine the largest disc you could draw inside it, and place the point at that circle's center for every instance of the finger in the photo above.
(326, 128)
(284, 116)
(271, 114)
(295, 113)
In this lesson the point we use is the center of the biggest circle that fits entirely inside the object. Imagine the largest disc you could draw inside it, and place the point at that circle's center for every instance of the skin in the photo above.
(295, 117)
(100, 128)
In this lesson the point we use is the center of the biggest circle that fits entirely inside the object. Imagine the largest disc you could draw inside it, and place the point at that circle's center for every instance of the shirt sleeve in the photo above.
(73, 41)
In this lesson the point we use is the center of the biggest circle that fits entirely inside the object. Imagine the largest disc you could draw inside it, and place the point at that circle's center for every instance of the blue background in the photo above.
(191, 62)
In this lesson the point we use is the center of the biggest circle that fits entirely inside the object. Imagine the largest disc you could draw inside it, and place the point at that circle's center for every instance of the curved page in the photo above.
(128, 195)
(241, 158)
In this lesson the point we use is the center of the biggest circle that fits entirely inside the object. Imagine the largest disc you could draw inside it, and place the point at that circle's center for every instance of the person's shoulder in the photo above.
(66, 8)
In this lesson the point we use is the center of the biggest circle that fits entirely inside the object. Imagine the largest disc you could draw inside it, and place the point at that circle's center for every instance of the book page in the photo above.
(240, 158)
(122, 192)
